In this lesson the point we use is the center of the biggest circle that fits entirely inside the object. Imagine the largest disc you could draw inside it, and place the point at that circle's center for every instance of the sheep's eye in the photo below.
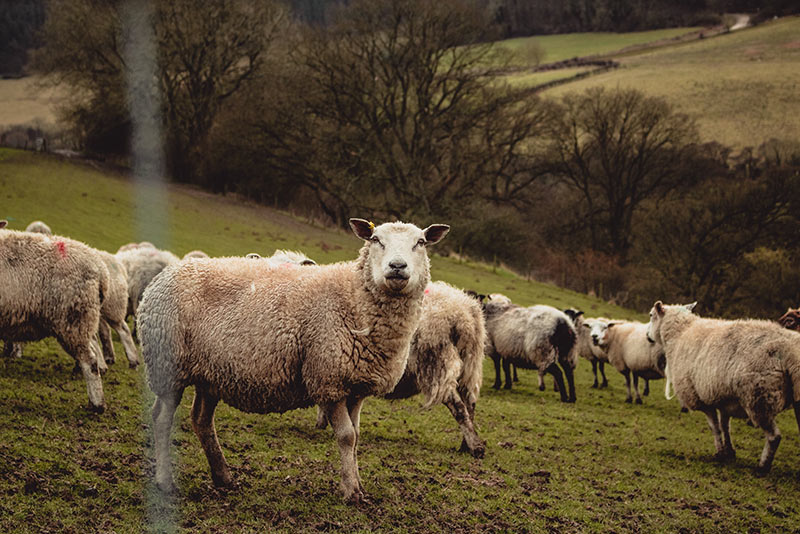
(421, 243)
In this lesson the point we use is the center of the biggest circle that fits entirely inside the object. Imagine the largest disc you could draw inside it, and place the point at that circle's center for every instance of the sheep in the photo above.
(742, 368)
(194, 254)
(54, 286)
(39, 227)
(142, 262)
(265, 339)
(791, 319)
(590, 332)
(114, 311)
(538, 337)
(630, 353)
(445, 363)
(284, 257)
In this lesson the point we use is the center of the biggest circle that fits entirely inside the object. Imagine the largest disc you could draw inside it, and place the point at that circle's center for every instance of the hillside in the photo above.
(741, 86)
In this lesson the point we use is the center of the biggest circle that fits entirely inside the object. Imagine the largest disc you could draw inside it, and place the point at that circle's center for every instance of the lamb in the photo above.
(630, 352)
(142, 262)
(265, 339)
(54, 286)
(538, 337)
(445, 363)
(591, 331)
(742, 368)
(39, 227)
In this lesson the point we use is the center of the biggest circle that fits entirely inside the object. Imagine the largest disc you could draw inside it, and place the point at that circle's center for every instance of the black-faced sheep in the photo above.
(744, 368)
(538, 337)
(54, 287)
(630, 352)
(266, 339)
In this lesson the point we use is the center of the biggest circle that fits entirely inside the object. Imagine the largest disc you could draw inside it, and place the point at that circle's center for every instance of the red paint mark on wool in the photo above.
(427, 291)
(62, 249)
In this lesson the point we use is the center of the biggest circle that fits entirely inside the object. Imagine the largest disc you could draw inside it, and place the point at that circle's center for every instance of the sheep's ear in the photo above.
(435, 232)
(3, 223)
(691, 306)
(659, 306)
(614, 323)
(362, 228)
(308, 261)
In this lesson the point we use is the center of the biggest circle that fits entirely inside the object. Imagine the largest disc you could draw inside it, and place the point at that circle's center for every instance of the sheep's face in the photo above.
(397, 257)
(657, 313)
(791, 319)
(598, 332)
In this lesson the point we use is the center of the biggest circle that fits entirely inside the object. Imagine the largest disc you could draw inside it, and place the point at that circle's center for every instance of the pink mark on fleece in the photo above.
(62, 249)
(288, 265)
(427, 290)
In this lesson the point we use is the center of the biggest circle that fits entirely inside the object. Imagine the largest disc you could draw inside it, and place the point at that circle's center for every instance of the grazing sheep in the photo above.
(445, 363)
(54, 286)
(591, 333)
(630, 352)
(265, 339)
(744, 368)
(114, 311)
(791, 319)
(142, 262)
(538, 337)
(39, 227)
(195, 254)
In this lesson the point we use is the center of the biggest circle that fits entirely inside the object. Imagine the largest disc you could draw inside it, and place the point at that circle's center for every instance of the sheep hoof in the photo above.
(725, 455)
(133, 365)
(507, 386)
(96, 409)
(594, 386)
(762, 470)
(684, 409)
(542, 387)
(604, 385)
(629, 400)
(571, 400)
(638, 401)
(223, 481)
(110, 361)
(356, 497)
(496, 385)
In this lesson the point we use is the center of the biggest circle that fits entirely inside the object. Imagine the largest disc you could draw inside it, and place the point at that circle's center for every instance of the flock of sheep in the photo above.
(274, 334)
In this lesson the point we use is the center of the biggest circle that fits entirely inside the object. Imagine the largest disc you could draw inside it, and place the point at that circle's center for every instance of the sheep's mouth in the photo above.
(397, 281)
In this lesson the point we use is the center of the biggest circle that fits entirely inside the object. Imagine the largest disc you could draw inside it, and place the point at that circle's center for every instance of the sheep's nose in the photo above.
(398, 265)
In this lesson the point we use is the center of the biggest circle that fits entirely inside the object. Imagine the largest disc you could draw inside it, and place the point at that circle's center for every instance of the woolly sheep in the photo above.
(791, 319)
(630, 352)
(446, 360)
(284, 257)
(39, 227)
(142, 262)
(591, 332)
(54, 287)
(538, 337)
(270, 340)
(114, 311)
(743, 368)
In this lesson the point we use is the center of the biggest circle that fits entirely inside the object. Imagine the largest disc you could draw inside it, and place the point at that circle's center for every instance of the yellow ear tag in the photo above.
(371, 225)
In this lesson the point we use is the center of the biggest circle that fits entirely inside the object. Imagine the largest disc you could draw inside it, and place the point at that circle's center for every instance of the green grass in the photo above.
(537, 78)
(599, 465)
(742, 86)
(569, 45)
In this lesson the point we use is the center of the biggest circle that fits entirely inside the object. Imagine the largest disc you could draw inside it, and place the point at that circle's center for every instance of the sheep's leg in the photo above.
(12, 350)
(354, 411)
(104, 332)
(474, 444)
(636, 388)
(163, 414)
(507, 372)
(773, 439)
(627, 374)
(541, 381)
(797, 413)
(496, 360)
(713, 423)
(203, 424)
(725, 425)
(87, 361)
(97, 354)
(516, 378)
(646, 391)
(322, 421)
(559, 378)
(569, 373)
(125, 336)
(603, 372)
(594, 372)
(345, 433)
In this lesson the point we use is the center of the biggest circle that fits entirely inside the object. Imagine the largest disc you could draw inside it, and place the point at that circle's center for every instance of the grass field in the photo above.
(599, 465)
(742, 87)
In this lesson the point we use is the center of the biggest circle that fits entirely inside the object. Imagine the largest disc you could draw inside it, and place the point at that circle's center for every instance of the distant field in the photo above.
(743, 87)
(566, 46)
(599, 465)
(23, 102)
(537, 78)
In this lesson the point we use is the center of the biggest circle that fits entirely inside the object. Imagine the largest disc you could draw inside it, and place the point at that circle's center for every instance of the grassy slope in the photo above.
(743, 87)
(596, 466)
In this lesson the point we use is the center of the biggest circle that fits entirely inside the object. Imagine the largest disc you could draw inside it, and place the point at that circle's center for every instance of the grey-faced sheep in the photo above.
(445, 363)
(54, 287)
(744, 368)
(538, 337)
(266, 339)
(630, 352)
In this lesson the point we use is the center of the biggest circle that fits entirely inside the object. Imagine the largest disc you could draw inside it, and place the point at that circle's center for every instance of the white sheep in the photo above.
(538, 337)
(114, 311)
(266, 339)
(54, 286)
(743, 368)
(199, 254)
(591, 332)
(284, 257)
(445, 362)
(142, 262)
(39, 227)
(630, 352)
